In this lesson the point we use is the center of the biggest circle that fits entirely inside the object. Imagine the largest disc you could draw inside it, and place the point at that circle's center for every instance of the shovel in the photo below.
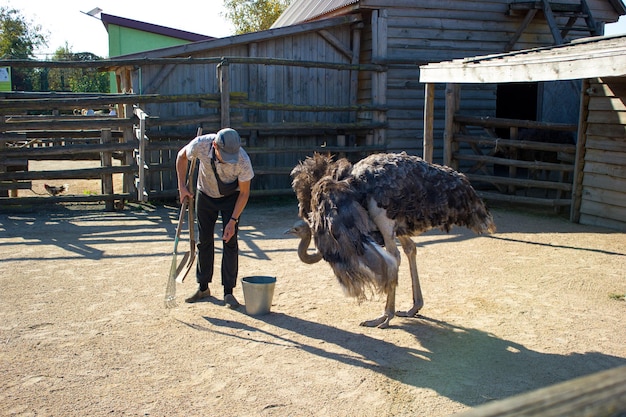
(189, 257)
(178, 272)
(170, 289)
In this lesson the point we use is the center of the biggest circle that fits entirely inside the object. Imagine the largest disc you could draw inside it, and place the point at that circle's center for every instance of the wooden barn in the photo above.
(340, 76)
(596, 165)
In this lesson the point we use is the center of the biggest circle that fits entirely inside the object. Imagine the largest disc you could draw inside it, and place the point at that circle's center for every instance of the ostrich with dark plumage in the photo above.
(354, 213)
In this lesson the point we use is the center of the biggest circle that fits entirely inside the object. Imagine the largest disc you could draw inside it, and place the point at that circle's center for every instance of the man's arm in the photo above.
(242, 200)
(181, 174)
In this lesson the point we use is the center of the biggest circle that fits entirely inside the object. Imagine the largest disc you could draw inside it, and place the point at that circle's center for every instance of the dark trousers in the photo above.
(207, 211)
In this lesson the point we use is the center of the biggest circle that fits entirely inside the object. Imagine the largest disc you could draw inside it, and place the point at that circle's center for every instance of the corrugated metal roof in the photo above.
(304, 10)
(602, 56)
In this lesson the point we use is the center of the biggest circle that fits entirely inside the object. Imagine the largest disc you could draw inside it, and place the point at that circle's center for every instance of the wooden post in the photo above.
(253, 92)
(106, 161)
(222, 70)
(140, 134)
(599, 394)
(127, 88)
(354, 74)
(379, 79)
(429, 121)
(579, 159)
(129, 179)
(513, 154)
(451, 127)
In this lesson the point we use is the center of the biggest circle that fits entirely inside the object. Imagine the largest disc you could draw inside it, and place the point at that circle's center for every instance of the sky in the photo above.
(64, 20)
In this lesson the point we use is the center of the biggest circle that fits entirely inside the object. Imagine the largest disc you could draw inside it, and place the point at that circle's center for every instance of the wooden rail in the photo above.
(524, 162)
(599, 394)
(145, 145)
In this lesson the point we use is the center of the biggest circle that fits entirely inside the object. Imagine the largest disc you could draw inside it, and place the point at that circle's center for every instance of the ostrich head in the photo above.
(302, 230)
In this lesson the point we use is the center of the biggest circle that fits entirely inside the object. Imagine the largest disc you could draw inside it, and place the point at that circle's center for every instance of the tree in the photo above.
(18, 40)
(85, 80)
(253, 15)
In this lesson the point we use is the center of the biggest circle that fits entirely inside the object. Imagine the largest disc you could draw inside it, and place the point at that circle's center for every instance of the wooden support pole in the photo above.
(579, 160)
(451, 126)
(253, 92)
(224, 79)
(106, 160)
(429, 121)
(129, 179)
(379, 79)
(140, 134)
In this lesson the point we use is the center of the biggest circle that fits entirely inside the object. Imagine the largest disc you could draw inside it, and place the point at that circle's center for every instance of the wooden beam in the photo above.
(590, 58)
(599, 394)
(337, 44)
(224, 79)
(429, 122)
(453, 98)
(488, 121)
(527, 19)
(106, 160)
(554, 28)
(579, 161)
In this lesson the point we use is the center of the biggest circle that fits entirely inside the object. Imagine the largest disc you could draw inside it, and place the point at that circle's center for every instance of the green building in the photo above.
(127, 36)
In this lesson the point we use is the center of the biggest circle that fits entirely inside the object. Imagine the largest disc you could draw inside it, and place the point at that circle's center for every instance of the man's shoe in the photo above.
(231, 302)
(198, 295)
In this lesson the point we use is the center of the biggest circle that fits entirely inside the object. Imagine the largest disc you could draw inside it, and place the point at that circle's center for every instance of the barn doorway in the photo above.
(517, 101)
(514, 101)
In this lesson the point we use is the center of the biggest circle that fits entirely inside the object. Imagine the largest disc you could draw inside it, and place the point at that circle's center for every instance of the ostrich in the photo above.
(354, 213)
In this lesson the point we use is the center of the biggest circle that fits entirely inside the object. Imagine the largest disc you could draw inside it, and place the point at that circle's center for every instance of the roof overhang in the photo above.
(108, 19)
(580, 59)
(244, 39)
(619, 7)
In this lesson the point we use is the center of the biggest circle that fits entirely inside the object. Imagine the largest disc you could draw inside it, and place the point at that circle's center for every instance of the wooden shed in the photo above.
(348, 69)
(598, 164)
(340, 76)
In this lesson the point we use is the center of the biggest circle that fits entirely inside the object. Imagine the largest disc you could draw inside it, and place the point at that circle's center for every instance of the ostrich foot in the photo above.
(381, 322)
(411, 313)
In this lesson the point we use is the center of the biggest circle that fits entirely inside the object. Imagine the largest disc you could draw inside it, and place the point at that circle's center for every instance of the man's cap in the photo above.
(229, 142)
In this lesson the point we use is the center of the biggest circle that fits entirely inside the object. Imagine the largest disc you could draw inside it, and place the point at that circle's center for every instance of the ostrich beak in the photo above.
(297, 228)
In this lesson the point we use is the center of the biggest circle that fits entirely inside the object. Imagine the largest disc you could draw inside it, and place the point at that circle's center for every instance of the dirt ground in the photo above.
(84, 331)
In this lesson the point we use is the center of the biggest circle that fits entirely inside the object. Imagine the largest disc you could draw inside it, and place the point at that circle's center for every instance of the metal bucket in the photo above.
(258, 292)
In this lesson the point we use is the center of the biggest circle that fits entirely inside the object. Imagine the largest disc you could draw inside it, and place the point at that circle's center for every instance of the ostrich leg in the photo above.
(386, 227)
(382, 322)
(411, 253)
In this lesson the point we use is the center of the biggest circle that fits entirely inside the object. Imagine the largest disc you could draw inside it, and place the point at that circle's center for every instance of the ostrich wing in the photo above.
(341, 232)
(420, 196)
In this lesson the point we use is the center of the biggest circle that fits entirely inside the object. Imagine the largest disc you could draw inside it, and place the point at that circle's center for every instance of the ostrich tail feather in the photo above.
(482, 222)
(375, 272)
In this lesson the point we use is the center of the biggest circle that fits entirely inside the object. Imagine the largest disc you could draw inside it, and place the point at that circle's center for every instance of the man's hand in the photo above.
(229, 230)
(183, 193)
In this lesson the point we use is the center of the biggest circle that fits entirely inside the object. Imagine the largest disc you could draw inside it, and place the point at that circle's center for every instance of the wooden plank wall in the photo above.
(434, 31)
(262, 83)
(604, 174)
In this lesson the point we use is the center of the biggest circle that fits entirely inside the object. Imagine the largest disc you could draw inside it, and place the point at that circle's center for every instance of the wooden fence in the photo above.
(142, 147)
(518, 161)
(599, 394)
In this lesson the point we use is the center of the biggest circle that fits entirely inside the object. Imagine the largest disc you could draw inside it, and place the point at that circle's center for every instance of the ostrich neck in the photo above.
(303, 252)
